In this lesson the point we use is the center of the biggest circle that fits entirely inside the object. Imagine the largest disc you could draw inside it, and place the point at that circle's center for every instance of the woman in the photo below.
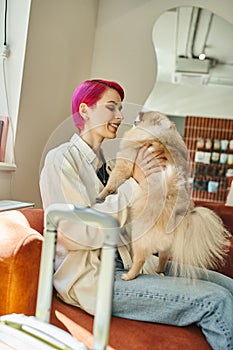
(75, 173)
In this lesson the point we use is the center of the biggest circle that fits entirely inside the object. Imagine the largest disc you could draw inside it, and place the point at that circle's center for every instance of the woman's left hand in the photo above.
(147, 163)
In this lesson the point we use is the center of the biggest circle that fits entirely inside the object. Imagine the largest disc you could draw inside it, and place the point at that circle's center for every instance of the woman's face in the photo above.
(104, 118)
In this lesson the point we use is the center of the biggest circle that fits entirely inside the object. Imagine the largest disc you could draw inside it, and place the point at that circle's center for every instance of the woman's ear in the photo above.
(83, 110)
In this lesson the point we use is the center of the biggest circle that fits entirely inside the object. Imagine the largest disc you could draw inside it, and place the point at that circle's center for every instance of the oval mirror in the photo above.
(194, 64)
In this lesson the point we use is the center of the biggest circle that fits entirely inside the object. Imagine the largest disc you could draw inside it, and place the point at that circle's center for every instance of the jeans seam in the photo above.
(159, 296)
(223, 326)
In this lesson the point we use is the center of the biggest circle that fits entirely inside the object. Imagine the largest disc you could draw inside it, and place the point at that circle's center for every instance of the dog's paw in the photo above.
(101, 196)
(160, 273)
(126, 277)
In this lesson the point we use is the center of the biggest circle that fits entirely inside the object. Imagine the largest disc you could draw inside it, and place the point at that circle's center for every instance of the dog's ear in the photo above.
(141, 114)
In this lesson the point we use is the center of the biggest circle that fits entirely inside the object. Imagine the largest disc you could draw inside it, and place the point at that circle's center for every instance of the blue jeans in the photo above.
(207, 302)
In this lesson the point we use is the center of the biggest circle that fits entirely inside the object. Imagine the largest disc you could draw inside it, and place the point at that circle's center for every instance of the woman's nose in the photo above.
(119, 115)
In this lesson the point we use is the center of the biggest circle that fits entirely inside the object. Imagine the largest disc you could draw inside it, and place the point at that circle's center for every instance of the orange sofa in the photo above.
(20, 248)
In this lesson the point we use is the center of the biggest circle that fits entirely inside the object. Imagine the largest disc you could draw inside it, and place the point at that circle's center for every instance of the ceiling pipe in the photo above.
(207, 33)
(192, 31)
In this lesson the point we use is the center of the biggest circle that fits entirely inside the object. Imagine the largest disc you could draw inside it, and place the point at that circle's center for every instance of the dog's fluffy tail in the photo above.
(201, 240)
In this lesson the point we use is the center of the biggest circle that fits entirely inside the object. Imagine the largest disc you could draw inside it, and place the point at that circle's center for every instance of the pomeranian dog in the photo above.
(164, 219)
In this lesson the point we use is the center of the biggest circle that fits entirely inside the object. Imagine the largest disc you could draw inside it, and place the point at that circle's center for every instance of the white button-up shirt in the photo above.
(69, 176)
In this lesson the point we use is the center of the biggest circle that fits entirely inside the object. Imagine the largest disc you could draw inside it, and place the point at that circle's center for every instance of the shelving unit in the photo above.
(210, 157)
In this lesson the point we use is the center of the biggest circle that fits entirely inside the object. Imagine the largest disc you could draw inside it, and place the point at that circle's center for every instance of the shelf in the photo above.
(10, 205)
(7, 166)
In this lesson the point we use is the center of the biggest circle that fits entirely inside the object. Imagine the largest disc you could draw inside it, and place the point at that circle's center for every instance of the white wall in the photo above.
(182, 100)
(65, 46)
(11, 68)
(191, 98)
(58, 56)
(16, 29)
(129, 57)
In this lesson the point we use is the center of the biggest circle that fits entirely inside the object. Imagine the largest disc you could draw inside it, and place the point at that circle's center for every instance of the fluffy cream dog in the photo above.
(163, 217)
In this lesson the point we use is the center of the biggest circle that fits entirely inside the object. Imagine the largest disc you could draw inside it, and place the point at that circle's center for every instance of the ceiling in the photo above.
(191, 31)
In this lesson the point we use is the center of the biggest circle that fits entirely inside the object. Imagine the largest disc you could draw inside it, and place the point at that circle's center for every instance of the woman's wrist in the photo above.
(138, 174)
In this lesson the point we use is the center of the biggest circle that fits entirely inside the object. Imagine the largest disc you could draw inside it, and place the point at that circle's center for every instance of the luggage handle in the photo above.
(53, 215)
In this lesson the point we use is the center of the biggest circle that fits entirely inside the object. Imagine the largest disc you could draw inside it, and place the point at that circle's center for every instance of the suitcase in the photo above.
(21, 332)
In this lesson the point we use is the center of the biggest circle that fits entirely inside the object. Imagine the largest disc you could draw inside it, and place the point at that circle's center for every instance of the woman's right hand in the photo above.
(147, 163)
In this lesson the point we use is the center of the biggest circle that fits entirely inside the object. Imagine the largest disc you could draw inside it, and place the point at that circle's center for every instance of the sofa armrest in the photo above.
(227, 268)
(226, 214)
(35, 218)
(20, 250)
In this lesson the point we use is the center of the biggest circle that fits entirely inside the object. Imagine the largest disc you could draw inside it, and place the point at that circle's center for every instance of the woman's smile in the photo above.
(114, 125)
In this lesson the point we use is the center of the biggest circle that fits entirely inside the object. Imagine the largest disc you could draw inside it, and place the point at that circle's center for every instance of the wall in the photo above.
(127, 27)
(15, 63)
(58, 57)
(65, 46)
(11, 70)
(184, 99)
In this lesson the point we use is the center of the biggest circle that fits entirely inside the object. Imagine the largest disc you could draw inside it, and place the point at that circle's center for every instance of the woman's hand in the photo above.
(147, 163)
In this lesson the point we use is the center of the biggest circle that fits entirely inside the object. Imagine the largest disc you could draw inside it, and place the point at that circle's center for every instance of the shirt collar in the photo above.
(85, 149)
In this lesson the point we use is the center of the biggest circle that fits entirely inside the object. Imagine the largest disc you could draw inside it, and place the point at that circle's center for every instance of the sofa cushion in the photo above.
(20, 247)
(127, 334)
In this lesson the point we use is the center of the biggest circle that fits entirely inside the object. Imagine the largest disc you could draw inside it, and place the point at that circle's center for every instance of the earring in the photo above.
(84, 114)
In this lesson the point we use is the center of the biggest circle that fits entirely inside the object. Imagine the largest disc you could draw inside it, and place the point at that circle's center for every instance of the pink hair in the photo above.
(89, 92)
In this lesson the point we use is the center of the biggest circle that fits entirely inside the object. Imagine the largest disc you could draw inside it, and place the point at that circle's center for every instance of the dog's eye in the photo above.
(165, 124)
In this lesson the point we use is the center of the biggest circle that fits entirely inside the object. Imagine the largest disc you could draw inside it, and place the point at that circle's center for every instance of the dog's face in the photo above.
(158, 130)
(157, 119)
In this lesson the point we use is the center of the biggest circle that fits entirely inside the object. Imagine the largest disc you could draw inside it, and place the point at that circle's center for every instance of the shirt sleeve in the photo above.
(68, 186)
(78, 235)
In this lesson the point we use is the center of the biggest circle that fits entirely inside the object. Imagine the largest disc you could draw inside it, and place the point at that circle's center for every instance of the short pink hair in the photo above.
(89, 92)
